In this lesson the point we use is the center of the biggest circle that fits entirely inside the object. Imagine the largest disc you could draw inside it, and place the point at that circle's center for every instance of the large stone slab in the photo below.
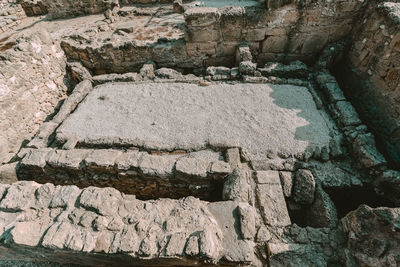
(258, 117)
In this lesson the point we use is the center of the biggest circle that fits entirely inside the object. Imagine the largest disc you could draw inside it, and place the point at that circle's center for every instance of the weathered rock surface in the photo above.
(372, 236)
(99, 226)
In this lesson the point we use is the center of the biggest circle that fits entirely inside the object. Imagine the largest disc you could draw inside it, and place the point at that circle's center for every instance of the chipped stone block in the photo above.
(303, 187)
(129, 160)
(243, 53)
(271, 199)
(275, 44)
(156, 165)
(296, 69)
(8, 173)
(334, 92)
(147, 71)
(213, 71)
(65, 196)
(102, 200)
(102, 158)
(27, 233)
(347, 113)
(233, 157)
(19, 196)
(247, 67)
(67, 158)
(237, 186)
(192, 246)
(201, 17)
(322, 212)
(192, 167)
(220, 167)
(287, 182)
(35, 158)
(364, 150)
(247, 216)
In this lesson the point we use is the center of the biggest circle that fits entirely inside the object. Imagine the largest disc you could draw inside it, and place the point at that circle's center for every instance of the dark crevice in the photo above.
(350, 198)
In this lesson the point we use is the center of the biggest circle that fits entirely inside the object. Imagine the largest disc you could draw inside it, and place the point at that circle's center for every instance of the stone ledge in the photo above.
(96, 226)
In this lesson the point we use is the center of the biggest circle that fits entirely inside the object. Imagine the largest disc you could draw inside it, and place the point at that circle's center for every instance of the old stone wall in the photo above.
(370, 75)
(210, 36)
(31, 85)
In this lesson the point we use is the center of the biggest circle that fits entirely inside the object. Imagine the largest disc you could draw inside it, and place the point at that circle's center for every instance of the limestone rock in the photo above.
(296, 69)
(304, 187)
(237, 186)
(287, 183)
(247, 217)
(388, 183)
(371, 236)
(102, 200)
(271, 199)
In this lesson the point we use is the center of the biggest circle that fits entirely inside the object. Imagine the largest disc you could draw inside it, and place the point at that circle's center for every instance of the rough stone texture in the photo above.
(101, 226)
(296, 69)
(271, 199)
(27, 96)
(199, 117)
(322, 212)
(372, 236)
(11, 14)
(304, 187)
(213, 35)
(145, 175)
(373, 83)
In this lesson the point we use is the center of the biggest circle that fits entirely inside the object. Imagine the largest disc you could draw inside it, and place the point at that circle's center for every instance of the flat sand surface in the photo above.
(170, 116)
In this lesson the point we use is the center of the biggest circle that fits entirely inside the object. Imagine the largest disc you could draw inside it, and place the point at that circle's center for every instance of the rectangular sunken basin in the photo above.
(261, 118)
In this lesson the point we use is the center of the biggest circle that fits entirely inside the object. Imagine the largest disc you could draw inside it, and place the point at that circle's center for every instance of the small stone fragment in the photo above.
(303, 187)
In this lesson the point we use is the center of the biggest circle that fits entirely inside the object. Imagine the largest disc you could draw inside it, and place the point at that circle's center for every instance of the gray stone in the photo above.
(247, 67)
(44, 195)
(147, 71)
(192, 246)
(388, 183)
(296, 69)
(166, 73)
(36, 158)
(67, 158)
(334, 92)
(271, 199)
(364, 150)
(178, 7)
(129, 160)
(303, 187)
(243, 53)
(322, 212)
(347, 113)
(213, 71)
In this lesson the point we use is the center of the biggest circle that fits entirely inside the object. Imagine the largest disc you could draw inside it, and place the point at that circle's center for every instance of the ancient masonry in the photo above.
(199, 133)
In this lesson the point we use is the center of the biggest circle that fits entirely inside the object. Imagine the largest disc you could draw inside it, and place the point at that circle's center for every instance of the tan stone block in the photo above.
(275, 44)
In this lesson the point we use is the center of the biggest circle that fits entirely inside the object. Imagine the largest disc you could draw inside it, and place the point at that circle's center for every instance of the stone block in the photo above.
(220, 167)
(347, 113)
(201, 17)
(334, 92)
(243, 53)
(65, 196)
(303, 187)
(20, 196)
(129, 160)
(192, 167)
(67, 158)
(233, 157)
(275, 44)
(101, 200)
(35, 158)
(102, 158)
(271, 199)
(366, 153)
(161, 166)
(247, 217)
(8, 173)
(286, 182)
(322, 212)
(247, 67)
(237, 186)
